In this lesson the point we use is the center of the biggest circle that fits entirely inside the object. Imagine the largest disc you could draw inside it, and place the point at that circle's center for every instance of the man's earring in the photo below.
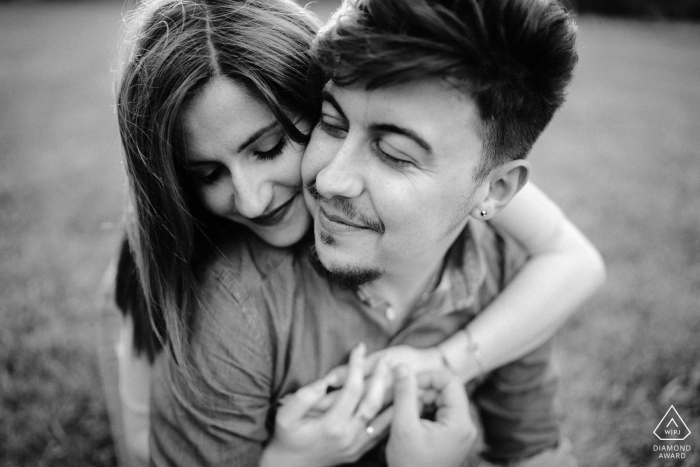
(483, 213)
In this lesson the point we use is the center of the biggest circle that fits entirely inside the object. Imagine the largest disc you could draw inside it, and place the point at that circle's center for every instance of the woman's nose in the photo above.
(252, 192)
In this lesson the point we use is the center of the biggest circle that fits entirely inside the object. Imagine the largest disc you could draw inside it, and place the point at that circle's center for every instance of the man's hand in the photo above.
(415, 442)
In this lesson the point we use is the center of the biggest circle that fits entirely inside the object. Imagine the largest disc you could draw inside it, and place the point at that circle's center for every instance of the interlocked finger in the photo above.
(373, 399)
(351, 393)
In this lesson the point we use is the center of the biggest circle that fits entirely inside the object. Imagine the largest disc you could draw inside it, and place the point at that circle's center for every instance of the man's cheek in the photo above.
(308, 174)
(313, 160)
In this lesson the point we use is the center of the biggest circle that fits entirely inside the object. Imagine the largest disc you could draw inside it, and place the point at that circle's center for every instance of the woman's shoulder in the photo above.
(243, 301)
(241, 264)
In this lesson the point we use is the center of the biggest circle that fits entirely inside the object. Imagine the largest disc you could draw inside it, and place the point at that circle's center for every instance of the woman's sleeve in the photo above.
(217, 412)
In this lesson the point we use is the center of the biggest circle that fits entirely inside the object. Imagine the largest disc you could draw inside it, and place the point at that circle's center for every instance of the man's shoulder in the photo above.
(488, 255)
(486, 238)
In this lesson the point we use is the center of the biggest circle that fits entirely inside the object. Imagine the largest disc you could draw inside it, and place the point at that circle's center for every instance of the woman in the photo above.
(190, 186)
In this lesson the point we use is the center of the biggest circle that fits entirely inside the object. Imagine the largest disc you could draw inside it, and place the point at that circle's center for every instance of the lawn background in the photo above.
(621, 158)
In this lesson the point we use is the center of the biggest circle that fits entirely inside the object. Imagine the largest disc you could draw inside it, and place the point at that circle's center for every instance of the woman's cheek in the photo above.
(215, 200)
(294, 164)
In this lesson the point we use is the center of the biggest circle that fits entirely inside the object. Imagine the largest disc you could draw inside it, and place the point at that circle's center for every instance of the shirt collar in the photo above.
(463, 270)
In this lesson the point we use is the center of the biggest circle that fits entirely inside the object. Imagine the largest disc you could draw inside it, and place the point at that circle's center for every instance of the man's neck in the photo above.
(402, 286)
(403, 291)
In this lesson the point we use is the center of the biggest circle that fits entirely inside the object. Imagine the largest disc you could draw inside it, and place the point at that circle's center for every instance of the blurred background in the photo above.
(621, 158)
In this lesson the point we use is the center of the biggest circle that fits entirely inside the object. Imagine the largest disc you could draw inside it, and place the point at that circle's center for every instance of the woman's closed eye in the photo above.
(273, 152)
(210, 174)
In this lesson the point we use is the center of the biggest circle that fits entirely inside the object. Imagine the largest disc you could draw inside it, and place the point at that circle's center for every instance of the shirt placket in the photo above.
(379, 311)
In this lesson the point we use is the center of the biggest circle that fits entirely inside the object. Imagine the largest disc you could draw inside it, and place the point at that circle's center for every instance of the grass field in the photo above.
(621, 158)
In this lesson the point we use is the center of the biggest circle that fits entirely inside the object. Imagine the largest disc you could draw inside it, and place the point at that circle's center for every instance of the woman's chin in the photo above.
(282, 236)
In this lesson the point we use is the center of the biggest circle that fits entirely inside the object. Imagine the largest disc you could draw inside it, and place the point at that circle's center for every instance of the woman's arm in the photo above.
(134, 394)
(563, 270)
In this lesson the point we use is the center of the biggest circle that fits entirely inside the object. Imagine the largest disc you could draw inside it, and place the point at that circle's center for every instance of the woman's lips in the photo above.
(276, 215)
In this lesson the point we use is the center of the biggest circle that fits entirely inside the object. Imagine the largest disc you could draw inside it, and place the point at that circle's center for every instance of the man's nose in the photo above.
(342, 175)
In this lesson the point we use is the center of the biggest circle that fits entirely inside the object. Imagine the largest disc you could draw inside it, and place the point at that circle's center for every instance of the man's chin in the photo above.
(349, 277)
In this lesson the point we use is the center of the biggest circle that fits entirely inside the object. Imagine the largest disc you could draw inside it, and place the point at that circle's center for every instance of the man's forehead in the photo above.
(425, 107)
(432, 88)
(332, 89)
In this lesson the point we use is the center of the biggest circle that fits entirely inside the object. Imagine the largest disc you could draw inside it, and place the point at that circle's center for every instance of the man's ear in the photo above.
(504, 182)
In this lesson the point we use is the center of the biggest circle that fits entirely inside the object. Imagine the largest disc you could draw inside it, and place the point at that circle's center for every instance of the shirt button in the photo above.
(390, 314)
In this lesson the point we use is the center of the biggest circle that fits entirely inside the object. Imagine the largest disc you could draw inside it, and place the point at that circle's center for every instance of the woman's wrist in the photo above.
(475, 357)
(461, 355)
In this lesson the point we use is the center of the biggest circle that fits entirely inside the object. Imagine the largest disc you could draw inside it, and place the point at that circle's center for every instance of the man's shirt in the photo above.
(269, 324)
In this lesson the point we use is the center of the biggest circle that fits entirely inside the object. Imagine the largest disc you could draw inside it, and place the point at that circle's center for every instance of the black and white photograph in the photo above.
(372, 233)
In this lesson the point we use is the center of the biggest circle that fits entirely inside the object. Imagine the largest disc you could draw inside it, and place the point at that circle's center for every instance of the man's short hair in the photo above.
(513, 57)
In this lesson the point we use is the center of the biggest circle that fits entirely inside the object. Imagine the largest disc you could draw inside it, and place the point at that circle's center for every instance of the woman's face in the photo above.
(244, 166)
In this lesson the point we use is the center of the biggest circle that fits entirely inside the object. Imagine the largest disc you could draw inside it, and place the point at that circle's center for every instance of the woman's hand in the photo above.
(418, 360)
(416, 442)
(349, 427)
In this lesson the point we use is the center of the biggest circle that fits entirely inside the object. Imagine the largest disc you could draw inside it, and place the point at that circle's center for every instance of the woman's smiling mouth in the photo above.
(276, 215)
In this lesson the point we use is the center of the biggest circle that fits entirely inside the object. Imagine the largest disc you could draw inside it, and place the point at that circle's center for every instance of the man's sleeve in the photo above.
(216, 414)
(519, 409)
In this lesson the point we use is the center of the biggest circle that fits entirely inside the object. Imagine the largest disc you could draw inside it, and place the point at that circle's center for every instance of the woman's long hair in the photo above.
(176, 48)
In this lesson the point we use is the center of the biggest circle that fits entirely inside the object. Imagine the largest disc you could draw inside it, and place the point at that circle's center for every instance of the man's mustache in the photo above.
(348, 208)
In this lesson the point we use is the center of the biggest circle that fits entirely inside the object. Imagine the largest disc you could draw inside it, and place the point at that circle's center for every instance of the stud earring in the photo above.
(483, 213)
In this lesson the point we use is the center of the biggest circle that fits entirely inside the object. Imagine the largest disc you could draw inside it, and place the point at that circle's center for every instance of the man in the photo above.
(428, 113)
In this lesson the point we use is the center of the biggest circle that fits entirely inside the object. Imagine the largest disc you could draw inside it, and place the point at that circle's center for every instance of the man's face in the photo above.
(389, 175)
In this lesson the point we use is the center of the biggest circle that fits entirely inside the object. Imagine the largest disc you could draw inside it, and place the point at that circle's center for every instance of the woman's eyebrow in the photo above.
(255, 136)
(193, 164)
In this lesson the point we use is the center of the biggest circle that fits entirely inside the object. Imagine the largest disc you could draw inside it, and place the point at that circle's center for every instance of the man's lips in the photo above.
(341, 220)
(276, 215)
(336, 224)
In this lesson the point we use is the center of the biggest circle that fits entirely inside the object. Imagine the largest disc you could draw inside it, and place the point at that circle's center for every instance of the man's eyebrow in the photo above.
(254, 137)
(328, 97)
(390, 128)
